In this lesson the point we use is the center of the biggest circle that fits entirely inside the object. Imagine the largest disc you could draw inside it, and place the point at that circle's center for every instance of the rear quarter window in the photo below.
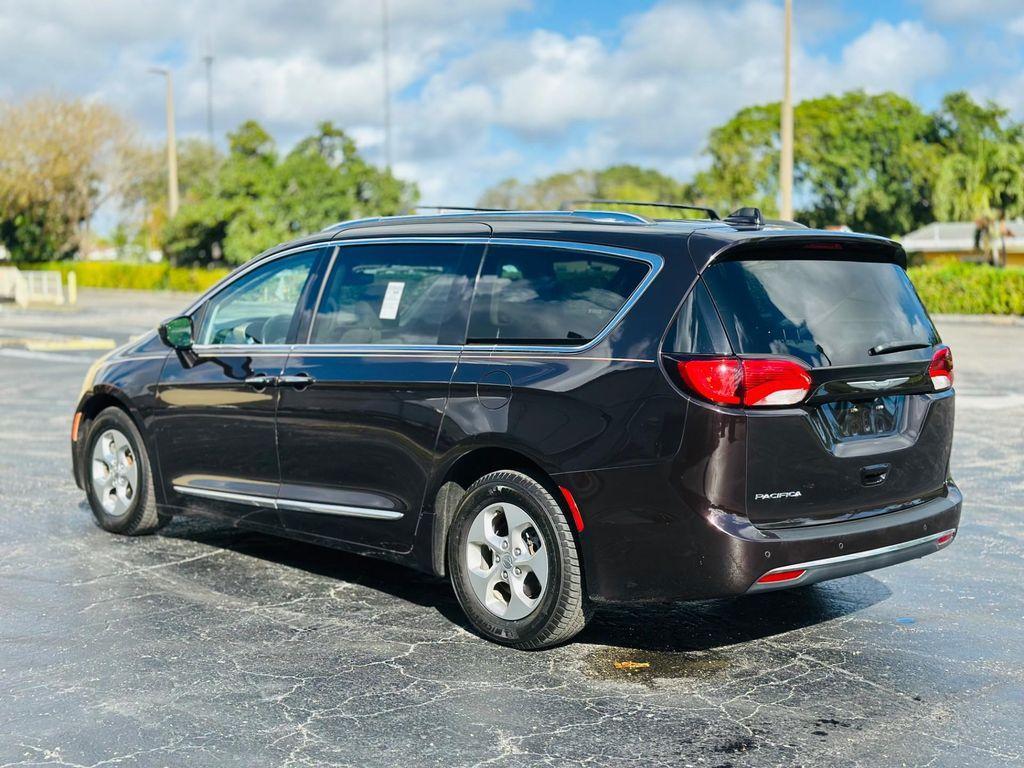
(824, 312)
(540, 295)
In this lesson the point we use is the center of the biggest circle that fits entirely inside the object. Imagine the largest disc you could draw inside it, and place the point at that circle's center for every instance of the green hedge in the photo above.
(970, 289)
(149, 277)
(952, 288)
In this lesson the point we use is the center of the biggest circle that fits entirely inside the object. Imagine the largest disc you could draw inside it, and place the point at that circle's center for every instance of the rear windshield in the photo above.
(823, 312)
(541, 295)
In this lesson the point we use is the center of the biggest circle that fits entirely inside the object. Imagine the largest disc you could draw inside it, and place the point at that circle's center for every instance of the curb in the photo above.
(1011, 320)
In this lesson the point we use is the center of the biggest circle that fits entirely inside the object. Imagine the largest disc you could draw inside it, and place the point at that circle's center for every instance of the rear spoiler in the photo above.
(708, 246)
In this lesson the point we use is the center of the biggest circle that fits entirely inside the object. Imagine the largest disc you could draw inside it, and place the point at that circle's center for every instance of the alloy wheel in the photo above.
(507, 561)
(115, 472)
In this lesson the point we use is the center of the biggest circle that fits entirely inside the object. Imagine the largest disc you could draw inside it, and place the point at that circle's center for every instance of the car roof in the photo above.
(612, 228)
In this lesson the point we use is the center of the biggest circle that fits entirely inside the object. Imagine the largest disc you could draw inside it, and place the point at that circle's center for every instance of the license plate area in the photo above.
(863, 419)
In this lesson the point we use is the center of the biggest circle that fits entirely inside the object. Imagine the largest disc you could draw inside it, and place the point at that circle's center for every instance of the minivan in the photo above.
(550, 409)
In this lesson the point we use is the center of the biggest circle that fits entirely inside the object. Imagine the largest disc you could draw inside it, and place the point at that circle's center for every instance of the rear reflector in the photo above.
(577, 518)
(755, 382)
(941, 368)
(945, 538)
(779, 576)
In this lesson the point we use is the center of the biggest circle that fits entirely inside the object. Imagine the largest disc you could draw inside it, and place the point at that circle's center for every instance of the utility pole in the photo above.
(172, 147)
(786, 158)
(385, 51)
(208, 61)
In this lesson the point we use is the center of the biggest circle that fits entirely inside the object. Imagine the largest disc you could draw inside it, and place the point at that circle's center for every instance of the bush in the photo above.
(971, 289)
(147, 277)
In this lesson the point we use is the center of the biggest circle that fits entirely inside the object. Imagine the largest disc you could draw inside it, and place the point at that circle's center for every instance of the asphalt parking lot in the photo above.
(204, 645)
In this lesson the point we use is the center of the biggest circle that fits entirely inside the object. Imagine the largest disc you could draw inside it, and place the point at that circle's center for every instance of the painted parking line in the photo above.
(56, 343)
(53, 357)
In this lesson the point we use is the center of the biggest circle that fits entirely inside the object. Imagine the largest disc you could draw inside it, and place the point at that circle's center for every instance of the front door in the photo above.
(362, 402)
(216, 404)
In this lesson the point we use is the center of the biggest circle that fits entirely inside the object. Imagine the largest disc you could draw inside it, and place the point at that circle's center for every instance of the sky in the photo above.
(484, 90)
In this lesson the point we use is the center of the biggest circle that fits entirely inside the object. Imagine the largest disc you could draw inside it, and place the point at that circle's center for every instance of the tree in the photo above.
(60, 161)
(866, 161)
(982, 174)
(144, 200)
(257, 198)
(618, 182)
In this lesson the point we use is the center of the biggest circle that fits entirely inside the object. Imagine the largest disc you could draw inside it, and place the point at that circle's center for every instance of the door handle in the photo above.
(297, 380)
(260, 381)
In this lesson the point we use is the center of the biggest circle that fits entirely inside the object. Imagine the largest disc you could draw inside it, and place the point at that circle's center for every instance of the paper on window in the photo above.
(392, 298)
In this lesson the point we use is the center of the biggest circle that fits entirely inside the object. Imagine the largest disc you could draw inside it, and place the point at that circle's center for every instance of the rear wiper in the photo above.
(897, 346)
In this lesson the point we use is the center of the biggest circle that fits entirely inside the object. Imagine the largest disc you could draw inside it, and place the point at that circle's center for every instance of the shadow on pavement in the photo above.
(677, 627)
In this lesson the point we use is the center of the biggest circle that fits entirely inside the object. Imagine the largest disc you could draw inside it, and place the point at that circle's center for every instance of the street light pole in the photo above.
(786, 157)
(385, 55)
(172, 146)
(208, 61)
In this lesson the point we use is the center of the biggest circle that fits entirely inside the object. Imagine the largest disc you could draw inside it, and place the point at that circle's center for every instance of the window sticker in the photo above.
(392, 298)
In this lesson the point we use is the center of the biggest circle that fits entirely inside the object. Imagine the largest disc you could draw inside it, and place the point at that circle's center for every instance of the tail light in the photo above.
(941, 368)
(754, 382)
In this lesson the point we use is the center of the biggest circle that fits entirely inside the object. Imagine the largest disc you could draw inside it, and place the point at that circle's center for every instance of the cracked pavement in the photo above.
(205, 645)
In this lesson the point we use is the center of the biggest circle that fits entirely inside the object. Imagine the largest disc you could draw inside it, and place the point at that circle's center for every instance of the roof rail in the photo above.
(608, 216)
(461, 208)
(711, 214)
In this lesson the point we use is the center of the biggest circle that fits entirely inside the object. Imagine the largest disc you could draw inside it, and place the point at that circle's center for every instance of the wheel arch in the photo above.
(458, 474)
(91, 406)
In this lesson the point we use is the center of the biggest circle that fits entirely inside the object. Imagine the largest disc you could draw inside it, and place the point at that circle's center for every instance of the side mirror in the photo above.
(177, 333)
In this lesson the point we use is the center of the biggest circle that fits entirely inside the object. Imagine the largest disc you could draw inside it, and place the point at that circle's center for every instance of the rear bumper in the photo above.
(801, 574)
(645, 540)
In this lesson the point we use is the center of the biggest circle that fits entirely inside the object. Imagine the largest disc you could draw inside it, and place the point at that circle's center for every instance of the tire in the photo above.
(127, 507)
(516, 610)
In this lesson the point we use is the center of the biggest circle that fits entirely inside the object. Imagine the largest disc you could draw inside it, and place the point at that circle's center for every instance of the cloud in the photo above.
(473, 101)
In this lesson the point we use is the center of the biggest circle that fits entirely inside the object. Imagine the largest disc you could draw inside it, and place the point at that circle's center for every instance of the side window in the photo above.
(258, 308)
(696, 329)
(541, 295)
(388, 294)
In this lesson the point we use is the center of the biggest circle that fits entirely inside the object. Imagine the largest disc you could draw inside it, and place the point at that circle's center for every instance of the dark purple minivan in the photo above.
(551, 409)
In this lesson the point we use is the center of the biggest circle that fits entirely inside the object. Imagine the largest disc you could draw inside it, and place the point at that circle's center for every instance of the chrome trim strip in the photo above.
(241, 498)
(857, 555)
(338, 509)
(241, 350)
(290, 504)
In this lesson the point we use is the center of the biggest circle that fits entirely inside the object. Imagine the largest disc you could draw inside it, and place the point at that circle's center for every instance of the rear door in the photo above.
(873, 434)
(361, 403)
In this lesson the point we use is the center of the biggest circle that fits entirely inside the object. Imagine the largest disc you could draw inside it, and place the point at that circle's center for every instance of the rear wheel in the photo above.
(119, 482)
(514, 565)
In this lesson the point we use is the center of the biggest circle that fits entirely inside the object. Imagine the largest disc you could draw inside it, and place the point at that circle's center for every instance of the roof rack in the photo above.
(711, 214)
(620, 217)
(461, 208)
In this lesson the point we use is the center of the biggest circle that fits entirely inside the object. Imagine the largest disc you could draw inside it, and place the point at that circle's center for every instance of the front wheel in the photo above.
(119, 481)
(514, 565)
